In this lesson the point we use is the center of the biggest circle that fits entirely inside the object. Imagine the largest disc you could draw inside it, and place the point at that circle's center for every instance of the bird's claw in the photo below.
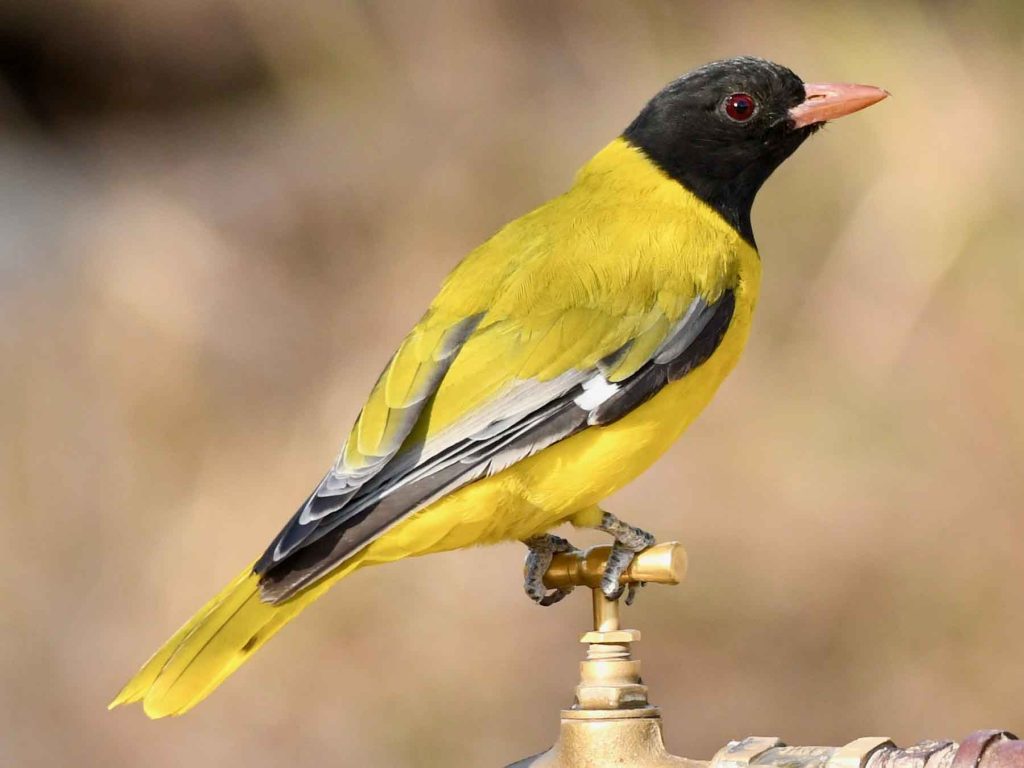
(552, 597)
(628, 542)
(631, 591)
(542, 549)
(618, 561)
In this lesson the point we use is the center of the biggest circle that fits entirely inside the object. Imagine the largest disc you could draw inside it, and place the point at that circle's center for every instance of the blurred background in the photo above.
(218, 219)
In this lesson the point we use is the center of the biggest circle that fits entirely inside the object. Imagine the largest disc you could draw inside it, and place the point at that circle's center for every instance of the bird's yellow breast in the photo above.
(651, 232)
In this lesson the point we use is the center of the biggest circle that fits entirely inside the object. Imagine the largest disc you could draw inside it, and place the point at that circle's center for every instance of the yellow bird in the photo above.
(558, 361)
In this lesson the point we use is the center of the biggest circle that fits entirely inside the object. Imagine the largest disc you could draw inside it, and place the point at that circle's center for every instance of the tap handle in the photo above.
(661, 564)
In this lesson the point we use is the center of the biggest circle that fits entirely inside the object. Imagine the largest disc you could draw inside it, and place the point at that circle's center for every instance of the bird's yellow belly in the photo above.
(548, 488)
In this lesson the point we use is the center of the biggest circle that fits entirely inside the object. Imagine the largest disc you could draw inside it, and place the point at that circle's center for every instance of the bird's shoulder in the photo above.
(620, 238)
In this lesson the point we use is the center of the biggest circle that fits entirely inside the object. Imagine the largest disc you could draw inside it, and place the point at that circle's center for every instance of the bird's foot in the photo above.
(628, 541)
(543, 548)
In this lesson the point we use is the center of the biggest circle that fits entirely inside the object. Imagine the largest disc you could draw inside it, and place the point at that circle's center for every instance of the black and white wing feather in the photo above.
(352, 508)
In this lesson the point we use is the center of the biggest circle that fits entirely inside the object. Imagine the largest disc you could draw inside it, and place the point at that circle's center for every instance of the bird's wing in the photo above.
(465, 397)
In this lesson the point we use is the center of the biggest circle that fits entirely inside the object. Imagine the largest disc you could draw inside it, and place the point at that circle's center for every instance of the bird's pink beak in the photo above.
(827, 101)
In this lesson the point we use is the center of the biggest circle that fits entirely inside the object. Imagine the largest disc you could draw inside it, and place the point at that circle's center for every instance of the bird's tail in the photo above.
(213, 644)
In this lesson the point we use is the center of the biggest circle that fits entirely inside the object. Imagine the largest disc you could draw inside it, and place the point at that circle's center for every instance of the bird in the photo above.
(557, 362)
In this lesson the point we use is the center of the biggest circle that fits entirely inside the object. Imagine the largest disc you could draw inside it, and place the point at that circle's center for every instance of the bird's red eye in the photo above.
(740, 107)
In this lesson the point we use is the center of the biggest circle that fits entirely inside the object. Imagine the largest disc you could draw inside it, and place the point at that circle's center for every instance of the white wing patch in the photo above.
(595, 392)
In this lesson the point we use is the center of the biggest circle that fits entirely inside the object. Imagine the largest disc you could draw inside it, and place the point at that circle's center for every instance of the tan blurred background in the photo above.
(217, 220)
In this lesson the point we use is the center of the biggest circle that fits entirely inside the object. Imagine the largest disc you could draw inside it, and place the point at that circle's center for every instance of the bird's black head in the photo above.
(722, 129)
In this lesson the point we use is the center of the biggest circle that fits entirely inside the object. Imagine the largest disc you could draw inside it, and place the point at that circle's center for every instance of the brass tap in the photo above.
(661, 564)
(611, 721)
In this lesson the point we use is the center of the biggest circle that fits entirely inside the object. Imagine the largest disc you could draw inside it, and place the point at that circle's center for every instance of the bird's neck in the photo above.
(634, 176)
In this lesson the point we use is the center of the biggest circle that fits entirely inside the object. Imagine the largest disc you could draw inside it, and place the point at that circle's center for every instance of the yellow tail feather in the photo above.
(213, 644)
